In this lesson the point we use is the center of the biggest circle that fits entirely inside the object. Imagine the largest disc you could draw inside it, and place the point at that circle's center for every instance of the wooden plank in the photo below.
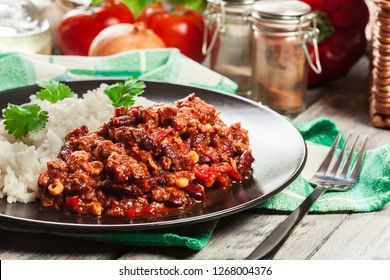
(363, 236)
(309, 236)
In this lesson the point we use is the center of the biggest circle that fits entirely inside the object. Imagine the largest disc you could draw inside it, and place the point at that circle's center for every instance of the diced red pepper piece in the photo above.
(149, 210)
(235, 175)
(224, 180)
(207, 175)
(135, 112)
(132, 212)
(119, 111)
(203, 172)
(223, 167)
(72, 201)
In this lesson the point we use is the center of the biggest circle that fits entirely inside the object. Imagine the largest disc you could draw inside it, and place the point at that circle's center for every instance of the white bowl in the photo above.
(37, 41)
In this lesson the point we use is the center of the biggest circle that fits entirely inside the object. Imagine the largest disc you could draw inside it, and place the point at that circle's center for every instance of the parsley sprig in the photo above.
(20, 120)
(122, 94)
(53, 91)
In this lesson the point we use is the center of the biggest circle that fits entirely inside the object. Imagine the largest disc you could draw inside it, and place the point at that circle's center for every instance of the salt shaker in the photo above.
(229, 44)
(282, 31)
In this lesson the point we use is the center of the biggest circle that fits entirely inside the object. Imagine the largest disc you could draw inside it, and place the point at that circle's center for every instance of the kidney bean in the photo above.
(169, 151)
(196, 191)
(65, 152)
(161, 178)
(245, 162)
(125, 120)
(148, 144)
(196, 139)
(175, 201)
(204, 159)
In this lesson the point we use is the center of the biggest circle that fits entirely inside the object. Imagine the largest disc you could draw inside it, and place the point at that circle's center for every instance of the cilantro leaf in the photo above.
(122, 94)
(53, 91)
(20, 120)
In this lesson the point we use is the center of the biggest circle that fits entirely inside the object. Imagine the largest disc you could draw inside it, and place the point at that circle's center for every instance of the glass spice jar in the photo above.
(228, 40)
(282, 31)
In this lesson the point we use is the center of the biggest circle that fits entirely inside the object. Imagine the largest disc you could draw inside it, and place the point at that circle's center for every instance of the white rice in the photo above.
(21, 161)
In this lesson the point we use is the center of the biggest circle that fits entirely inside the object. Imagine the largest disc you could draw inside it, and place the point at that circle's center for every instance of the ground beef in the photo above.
(147, 162)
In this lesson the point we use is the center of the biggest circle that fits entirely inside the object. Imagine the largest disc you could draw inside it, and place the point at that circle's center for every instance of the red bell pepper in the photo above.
(72, 201)
(342, 40)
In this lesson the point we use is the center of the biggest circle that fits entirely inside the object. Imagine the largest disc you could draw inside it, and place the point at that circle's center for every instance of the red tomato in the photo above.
(178, 26)
(80, 26)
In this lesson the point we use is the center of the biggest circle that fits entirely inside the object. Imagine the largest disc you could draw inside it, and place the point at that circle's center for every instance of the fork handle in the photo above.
(271, 244)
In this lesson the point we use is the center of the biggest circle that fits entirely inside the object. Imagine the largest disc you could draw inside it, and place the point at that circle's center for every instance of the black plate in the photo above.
(277, 147)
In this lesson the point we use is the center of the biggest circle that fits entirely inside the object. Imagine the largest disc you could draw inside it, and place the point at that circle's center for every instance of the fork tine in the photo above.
(340, 156)
(356, 169)
(328, 159)
(343, 172)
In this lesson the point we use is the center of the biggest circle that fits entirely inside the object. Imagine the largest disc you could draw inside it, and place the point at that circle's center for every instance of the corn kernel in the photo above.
(181, 182)
(89, 204)
(210, 183)
(209, 127)
(96, 208)
(56, 187)
(194, 156)
(178, 140)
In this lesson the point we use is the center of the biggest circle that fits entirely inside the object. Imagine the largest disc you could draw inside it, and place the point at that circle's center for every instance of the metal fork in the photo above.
(338, 172)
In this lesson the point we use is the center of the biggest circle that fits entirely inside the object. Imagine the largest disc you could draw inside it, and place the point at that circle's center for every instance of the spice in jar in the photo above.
(281, 32)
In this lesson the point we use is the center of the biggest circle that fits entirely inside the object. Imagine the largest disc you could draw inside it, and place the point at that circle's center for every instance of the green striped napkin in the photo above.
(165, 65)
(194, 237)
(371, 191)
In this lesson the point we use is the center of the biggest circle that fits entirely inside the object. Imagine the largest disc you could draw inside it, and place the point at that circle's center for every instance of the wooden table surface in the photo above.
(355, 236)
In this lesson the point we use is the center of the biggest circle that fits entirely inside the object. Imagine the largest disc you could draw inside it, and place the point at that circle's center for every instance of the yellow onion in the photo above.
(122, 37)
